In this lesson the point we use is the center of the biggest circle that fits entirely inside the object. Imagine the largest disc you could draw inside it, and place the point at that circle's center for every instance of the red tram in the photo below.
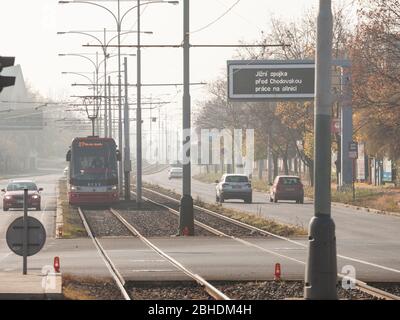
(93, 171)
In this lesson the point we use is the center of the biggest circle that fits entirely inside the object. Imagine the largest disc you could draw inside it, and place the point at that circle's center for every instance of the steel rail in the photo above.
(361, 286)
(209, 288)
(176, 213)
(119, 280)
(233, 221)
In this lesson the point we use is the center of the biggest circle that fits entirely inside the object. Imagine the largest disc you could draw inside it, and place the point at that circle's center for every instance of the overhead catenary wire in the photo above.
(217, 19)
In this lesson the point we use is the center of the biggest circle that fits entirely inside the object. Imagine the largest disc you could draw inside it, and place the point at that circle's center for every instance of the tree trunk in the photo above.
(275, 161)
(311, 173)
(286, 165)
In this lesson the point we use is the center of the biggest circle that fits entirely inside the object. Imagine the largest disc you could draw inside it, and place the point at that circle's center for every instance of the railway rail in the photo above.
(360, 285)
(212, 291)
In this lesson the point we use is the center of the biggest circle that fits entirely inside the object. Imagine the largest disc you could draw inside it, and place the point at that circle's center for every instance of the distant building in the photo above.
(16, 106)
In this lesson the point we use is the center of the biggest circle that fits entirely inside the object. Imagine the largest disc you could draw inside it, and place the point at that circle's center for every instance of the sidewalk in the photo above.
(15, 286)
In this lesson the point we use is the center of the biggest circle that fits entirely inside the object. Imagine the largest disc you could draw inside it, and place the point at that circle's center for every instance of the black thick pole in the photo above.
(321, 268)
(186, 221)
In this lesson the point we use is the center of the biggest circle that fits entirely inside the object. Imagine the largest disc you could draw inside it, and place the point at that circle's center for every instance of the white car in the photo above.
(175, 173)
(234, 186)
(66, 171)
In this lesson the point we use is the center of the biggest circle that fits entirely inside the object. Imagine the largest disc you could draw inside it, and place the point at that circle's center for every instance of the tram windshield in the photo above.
(95, 164)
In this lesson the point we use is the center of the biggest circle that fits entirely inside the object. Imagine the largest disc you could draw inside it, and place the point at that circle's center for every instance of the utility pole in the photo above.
(110, 125)
(105, 85)
(346, 128)
(321, 268)
(186, 221)
(121, 167)
(269, 153)
(96, 95)
(127, 150)
(138, 114)
(159, 136)
(151, 126)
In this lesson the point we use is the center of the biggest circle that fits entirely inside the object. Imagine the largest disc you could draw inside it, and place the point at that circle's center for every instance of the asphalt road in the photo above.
(46, 215)
(213, 258)
(362, 237)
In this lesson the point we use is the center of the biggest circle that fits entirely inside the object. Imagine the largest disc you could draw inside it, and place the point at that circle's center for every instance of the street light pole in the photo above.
(186, 221)
(119, 96)
(138, 115)
(321, 268)
(105, 87)
(118, 19)
(127, 150)
(110, 118)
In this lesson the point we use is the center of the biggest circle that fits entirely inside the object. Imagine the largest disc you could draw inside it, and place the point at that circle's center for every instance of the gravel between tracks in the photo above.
(153, 221)
(278, 290)
(212, 221)
(393, 288)
(87, 288)
(104, 224)
(172, 291)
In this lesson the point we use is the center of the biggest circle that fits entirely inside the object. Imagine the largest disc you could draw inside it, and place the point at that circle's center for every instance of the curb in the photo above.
(365, 209)
(369, 210)
(59, 216)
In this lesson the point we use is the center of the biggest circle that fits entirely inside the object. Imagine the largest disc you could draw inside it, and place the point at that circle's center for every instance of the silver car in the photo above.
(175, 172)
(234, 186)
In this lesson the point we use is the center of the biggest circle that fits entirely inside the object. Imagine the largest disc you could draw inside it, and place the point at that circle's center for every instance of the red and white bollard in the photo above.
(278, 272)
(57, 264)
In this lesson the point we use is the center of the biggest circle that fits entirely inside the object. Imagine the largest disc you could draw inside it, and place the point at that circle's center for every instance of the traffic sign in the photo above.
(36, 236)
(353, 150)
(271, 80)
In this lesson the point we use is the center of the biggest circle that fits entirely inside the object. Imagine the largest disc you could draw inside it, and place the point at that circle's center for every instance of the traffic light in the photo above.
(6, 81)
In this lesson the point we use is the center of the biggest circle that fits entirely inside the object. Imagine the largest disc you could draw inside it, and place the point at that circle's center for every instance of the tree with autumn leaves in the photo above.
(282, 124)
(375, 57)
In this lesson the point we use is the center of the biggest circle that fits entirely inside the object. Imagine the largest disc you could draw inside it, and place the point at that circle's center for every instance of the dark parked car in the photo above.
(287, 188)
(14, 195)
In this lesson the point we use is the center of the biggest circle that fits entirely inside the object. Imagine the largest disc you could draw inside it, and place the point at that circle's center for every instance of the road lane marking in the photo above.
(306, 246)
(5, 256)
(143, 261)
(154, 270)
(370, 264)
(9, 269)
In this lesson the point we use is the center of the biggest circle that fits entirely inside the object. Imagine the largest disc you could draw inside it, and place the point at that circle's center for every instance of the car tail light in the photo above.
(249, 185)
(224, 185)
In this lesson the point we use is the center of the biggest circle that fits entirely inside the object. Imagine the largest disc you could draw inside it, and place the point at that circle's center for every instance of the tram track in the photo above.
(122, 284)
(173, 206)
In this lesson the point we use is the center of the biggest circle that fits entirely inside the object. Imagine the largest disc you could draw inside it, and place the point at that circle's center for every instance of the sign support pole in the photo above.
(25, 235)
(321, 268)
(354, 180)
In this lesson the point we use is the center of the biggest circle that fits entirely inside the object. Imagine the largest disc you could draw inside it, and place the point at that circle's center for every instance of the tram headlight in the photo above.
(75, 188)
